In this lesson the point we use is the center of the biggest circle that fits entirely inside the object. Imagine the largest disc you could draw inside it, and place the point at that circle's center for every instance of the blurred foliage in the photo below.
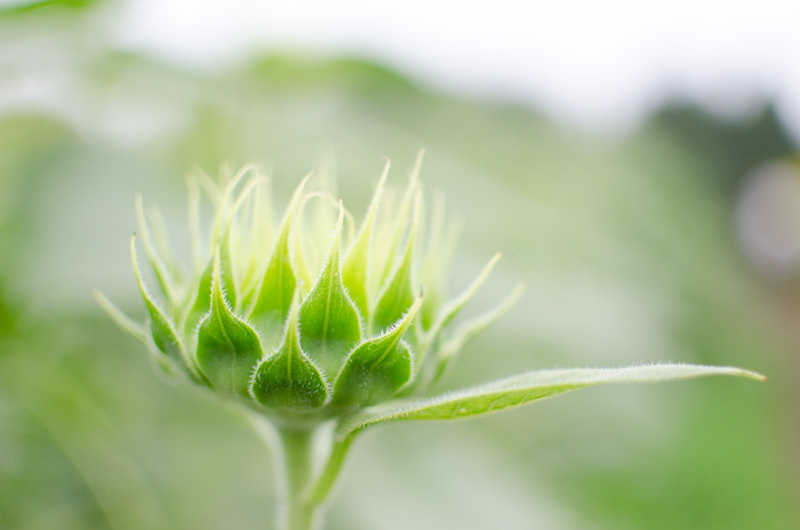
(627, 246)
(731, 147)
(24, 7)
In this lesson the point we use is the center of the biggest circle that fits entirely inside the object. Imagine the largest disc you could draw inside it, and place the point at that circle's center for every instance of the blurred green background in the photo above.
(629, 245)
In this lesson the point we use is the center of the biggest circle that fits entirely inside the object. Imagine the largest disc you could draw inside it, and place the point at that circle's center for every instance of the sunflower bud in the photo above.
(253, 322)
(340, 334)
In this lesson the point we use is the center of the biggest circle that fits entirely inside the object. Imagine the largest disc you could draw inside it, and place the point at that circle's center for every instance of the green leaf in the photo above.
(227, 347)
(288, 379)
(398, 294)
(377, 368)
(329, 321)
(161, 327)
(356, 267)
(525, 388)
(279, 282)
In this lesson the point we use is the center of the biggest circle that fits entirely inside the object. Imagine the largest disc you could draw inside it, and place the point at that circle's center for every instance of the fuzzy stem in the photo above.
(298, 512)
(330, 472)
(306, 471)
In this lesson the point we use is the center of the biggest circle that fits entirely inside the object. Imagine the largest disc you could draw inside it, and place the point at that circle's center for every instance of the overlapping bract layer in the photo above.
(252, 321)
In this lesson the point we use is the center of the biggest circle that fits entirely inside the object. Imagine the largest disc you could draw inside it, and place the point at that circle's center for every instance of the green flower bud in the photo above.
(301, 342)
(248, 324)
(341, 333)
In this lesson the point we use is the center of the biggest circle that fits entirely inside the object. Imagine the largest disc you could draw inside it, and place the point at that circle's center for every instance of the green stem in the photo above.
(333, 466)
(304, 491)
(298, 512)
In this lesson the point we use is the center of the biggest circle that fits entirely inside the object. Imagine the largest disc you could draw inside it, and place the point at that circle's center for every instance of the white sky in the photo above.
(588, 63)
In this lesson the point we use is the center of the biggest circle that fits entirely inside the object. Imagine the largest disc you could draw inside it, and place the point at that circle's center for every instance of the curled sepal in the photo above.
(288, 380)
(355, 270)
(470, 328)
(278, 285)
(400, 216)
(137, 331)
(477, 325)
(227, 347)
(453, 308)
(441, 245)
(398, 294)
(228, 269)
(200, 301)
(525, 388)
(162, 329)
(226, 231)
(161, 271)
(134, 328)
(328, 317)
(376, 369)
